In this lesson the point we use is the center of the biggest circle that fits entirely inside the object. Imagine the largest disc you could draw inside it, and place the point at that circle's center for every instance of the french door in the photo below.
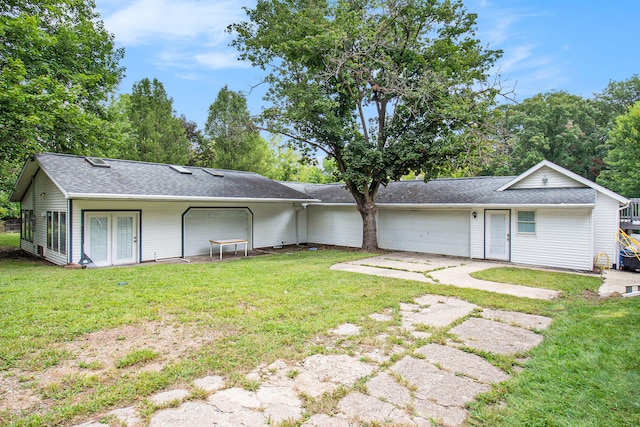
(111, 238)
(497, 238)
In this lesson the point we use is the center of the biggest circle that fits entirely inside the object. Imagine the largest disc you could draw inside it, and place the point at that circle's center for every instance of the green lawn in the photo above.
(264, 308)
(9, 240)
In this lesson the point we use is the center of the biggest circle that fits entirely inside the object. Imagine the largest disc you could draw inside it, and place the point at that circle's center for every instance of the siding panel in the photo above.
(554, 180)
(562, 239)
(335, 226)
(444, 232)
(606, 221)
(161, 224)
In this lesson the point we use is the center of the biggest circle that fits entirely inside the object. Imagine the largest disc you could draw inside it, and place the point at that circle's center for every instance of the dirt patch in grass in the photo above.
(12, 252)
(98, 354)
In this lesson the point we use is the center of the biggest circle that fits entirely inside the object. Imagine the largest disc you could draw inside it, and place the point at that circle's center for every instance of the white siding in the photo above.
(476, 237)
(161, 224)
(444, 232)
(43, 196)
(554, 180)
(204, 224)
(337, 225)
(273, 224)
(606, 221)
(562, 239)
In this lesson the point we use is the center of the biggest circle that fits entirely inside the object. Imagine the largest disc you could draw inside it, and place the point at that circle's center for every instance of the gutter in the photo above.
(465, 206)
(151, 198)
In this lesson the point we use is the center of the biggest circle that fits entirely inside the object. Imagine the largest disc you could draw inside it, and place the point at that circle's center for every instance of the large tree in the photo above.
(381, 86)
(58, 67)
(622, 173)
(234, 141)
(159, 135)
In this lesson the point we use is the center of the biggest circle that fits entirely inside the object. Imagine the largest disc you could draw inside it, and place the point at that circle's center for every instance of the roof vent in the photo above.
(214, 173)
(97, 162)
(180, 169)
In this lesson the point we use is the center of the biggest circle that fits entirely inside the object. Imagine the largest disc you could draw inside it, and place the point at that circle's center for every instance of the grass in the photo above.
(566, 282)
(136, 357)
(266, 308)
(11, 240)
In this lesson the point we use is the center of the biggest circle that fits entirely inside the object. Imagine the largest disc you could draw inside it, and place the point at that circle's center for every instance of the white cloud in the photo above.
(140, 22)
(221, 60)
(525, 64)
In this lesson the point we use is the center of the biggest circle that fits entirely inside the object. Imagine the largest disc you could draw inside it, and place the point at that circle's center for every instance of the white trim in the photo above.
(568, 173)
(465, 206)
(106, 196)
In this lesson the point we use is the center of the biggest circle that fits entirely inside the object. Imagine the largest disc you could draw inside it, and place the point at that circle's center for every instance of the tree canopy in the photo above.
(623, 159)
(382, 87)
(555, 126)
(159, 136)
(58, 67)
(233, 140)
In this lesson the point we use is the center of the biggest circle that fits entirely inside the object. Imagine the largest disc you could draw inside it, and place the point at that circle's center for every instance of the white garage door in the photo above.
(202, 225)
(443, 232)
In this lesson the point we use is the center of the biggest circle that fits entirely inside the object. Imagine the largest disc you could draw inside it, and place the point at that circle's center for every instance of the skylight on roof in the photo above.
(98, 162)
(214, 173)
(180, 169)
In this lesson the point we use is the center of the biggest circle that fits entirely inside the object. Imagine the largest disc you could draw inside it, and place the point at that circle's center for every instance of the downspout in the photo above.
(299, 209)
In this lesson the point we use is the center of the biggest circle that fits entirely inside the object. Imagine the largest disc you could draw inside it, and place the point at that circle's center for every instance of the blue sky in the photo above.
(571, 45)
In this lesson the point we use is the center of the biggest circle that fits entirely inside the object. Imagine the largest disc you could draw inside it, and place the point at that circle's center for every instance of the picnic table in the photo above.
(226, 242)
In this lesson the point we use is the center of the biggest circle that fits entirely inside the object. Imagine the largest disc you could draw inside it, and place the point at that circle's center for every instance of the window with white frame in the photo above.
(527, 222)
(57, 231)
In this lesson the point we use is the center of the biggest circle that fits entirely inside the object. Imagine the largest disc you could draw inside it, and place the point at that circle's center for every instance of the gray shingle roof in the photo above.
(455, 191)
(124, 177)
(76, 176)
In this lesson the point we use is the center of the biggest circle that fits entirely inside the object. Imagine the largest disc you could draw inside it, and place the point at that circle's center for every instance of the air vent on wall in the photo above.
(180, 169)
(97, 162)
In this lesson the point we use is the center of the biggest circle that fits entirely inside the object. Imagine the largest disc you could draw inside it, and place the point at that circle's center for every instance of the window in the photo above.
(28, 222)
(527, 222)
(57, 231)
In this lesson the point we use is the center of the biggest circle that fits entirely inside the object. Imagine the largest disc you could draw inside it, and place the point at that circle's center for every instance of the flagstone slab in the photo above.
(495, 337)
(210, 383)
(358, 407)
(524, 320)
(434, 311)
(438, 386)
(385, 387)
(458, 361)
(324, 373)
(324, 420)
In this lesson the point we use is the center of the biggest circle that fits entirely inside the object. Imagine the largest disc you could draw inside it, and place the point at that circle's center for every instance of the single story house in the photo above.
(113, 212)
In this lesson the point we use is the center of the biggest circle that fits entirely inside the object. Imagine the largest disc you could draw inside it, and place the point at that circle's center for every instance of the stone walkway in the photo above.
(439, 269)
(395, 378)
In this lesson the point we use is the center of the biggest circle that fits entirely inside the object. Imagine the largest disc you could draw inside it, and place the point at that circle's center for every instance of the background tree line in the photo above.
(59, 72)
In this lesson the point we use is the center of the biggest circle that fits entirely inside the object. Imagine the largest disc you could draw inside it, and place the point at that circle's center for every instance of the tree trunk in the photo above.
(368, 211)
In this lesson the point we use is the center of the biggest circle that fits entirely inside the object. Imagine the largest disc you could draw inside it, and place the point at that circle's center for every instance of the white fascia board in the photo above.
(582, 180)
(485, 206)
(465, 206)
(30, 170)
(152, 198)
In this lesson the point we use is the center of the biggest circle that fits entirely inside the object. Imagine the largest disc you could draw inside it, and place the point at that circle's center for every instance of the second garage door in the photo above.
(202, 225)
(443, 232)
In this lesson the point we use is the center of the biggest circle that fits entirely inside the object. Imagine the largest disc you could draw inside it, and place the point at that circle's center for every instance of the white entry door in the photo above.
(497, 237)
(111, 238)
